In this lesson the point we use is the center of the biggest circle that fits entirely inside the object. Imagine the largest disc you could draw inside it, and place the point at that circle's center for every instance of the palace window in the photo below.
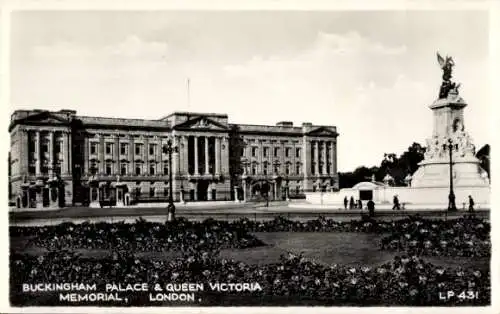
(108, 168)
(123, 149)
(313, 167)
(287, 169)
(254, 151)
(254, 169)
(297, 190)
(242, 152)
(138, 149)
(123, 169)
(297, 169)
(276, 151)
(297, 152)
(265, 170)
(152, 149)
(276, 169)
(165, 169)
(152, 191)
(287, 152)
(152, 170)
(93, 167)
(137, 170)
(266, 151)
(165, 191)
(109, 148)
(93, 148)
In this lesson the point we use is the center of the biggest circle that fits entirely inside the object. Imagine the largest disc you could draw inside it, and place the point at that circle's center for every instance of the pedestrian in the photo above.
(471, 204)
(371, 208)
(396, 205)
(346, 202)
(351, 203)
(360, 204)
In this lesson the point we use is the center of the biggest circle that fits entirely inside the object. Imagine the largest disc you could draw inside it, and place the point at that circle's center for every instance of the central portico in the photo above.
(200, 168)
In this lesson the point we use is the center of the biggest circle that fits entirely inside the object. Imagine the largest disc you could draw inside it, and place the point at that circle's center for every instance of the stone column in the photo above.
(24, 155)
(38, 153)
(217, 156)
(333, 157)
(64, 148)
(101, 154)
(159, 151)
(209, 192)
(206, 156)
(175, 158)
(51, 154)
(131, 155)
(316, 158)
(282, 159)
(116, 155)
(86, 151)
(70, 152)
(185, 152)
(225, 156)
(261, 154)
(275, 190)
(244, 183)
(196, 170)
(306, 162)
(175, 164)
(325, 160)
(146, 155)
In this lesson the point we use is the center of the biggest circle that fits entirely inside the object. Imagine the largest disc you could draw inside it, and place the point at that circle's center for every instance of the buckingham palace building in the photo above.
(58, 159)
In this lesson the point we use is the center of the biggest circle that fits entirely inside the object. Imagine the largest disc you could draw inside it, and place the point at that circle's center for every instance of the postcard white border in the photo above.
(6, 7)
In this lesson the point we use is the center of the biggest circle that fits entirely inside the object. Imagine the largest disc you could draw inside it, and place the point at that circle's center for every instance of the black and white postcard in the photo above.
(264, 157)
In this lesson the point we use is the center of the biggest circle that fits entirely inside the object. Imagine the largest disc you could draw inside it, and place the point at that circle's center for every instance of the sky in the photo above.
(371, 74)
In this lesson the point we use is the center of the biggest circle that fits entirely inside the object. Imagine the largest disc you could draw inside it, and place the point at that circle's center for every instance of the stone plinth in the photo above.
(434, 170)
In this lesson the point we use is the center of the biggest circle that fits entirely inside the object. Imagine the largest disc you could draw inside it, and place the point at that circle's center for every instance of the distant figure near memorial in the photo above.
(471, 204)
(396, 205)
(371, 208)
(351, 203)
(346, 202)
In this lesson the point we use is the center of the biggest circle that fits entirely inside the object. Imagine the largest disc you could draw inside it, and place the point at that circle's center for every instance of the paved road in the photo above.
(227, 212)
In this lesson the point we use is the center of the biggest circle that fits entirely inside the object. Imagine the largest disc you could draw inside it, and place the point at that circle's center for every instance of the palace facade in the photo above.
(61, 159)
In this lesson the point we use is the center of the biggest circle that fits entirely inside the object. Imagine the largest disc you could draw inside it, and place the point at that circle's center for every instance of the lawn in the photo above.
(356, 249)
(353, 249)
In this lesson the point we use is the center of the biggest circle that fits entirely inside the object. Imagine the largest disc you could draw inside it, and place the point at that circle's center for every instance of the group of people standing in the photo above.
(358, 204)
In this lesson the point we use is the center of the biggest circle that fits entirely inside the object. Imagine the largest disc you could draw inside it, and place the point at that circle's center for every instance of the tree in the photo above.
(484, 156)
(396, 167)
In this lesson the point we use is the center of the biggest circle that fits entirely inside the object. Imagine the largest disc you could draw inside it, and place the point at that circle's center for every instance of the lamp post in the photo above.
(169, 149)
(276, 170)
(244, 177)
(451, 196)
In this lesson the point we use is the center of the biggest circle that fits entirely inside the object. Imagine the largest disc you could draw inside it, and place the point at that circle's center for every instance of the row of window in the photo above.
(44, 169)
(124, 169)
(152, 190)
(276, 169)
(124, 148)
(298, 169)
(265, 152)
(45, 146)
